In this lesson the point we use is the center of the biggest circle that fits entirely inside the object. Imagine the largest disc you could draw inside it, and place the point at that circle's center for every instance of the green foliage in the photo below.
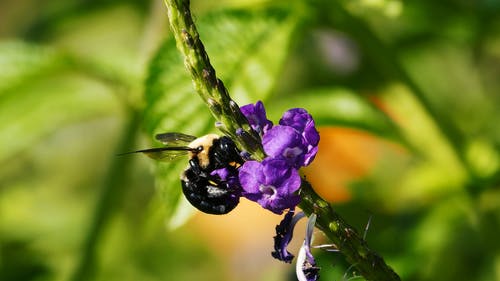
(342, 107)
(32, 72)
(21, 61)
(76, 80)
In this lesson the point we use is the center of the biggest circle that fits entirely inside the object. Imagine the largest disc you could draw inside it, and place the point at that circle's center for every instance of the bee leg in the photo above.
(196, 169)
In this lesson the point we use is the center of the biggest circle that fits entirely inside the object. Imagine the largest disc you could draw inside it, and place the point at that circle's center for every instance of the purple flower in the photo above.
(302, 121)
(228, 177)
(284, 142)
(284, 234)
(256, 116)
(272, 183)
(228, 181)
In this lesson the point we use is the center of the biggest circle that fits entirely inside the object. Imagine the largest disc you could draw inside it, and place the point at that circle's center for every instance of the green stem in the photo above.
(209, 87)
(111, 193)
(347, 240)
(213, 92)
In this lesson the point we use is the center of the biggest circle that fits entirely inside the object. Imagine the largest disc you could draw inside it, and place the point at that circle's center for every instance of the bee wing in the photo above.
(175, 139)
(175, 147)
(164, 153)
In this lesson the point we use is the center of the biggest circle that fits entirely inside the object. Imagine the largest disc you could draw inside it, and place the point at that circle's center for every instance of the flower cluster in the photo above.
(274, 182)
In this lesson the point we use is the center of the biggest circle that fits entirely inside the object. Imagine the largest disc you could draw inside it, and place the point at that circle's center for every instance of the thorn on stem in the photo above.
(367, 227)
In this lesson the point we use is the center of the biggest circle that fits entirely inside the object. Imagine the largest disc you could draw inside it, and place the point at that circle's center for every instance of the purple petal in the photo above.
(275, 170)
(310, 155)
(284, 234)
(290, 184)
(250, 174)
(310, 134)
(277, 204)
(223, 173)
(228, 179)
(256, 116)
(296, 118)
(302, 121)
(284, 202)
(285, 182)
(272, 184)
(283, 142)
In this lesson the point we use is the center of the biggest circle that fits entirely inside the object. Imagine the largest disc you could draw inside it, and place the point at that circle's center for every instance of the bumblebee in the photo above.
(201, 183)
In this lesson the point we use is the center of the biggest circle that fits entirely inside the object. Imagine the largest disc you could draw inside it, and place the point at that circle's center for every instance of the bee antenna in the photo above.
(158, 149)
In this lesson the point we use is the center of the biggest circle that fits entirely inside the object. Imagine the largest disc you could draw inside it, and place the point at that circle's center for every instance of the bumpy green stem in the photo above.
(346, 239)
(212, 91)
(209, 87)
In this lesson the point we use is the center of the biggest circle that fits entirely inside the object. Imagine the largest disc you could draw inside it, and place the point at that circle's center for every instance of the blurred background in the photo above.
(406, 96)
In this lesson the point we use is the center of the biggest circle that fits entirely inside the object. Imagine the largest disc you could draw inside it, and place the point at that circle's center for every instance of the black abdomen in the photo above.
(208, 198)
(209, 193)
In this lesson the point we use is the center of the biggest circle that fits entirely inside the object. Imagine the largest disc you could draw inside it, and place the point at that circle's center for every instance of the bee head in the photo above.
(202, 147)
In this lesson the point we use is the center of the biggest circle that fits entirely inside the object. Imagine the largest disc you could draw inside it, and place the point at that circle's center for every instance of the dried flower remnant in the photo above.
(306, 268)
(284, 234)
(273, 183)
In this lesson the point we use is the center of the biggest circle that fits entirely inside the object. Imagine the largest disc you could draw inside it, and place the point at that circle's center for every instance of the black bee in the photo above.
(205, 190)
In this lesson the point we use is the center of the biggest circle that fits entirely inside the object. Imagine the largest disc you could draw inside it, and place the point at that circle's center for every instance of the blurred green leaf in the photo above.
(445, 233)
(34, 110)
(100, 39)
(338, 107)
(20, 262)
(21, 61)
(427, 64)
(247, 49)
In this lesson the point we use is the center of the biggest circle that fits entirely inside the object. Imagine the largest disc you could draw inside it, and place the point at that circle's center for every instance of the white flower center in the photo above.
(268, 190)
(291, 152)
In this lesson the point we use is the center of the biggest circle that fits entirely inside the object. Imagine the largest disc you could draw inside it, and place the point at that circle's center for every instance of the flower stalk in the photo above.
(234, 124)
(210, 88)
(346, 239)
